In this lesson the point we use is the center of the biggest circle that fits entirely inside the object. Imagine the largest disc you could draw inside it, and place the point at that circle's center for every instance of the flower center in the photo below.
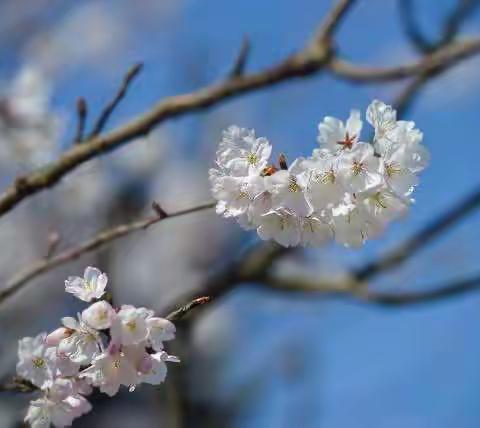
(347, 143)
(252, 158)
(379, 200)
(39, 363)
(392, 168)
(328, 177)
(357, 167)
(293, 186)
(132, 325)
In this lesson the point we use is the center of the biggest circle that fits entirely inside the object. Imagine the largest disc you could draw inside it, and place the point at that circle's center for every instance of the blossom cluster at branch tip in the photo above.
(347, 190)
(104, 348)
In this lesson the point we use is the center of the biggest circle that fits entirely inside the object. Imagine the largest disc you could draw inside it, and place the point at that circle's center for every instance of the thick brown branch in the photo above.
(247, 267)
(444, 57)
(304, 63)
(22, 278)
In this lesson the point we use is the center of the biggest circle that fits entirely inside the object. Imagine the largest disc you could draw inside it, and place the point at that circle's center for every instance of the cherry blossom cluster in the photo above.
(104, 348)
(347, 190)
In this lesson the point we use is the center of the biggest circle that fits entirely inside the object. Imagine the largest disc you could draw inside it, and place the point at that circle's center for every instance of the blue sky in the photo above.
(324, 362)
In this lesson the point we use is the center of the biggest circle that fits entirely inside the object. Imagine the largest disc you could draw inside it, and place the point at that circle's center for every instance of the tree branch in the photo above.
(240, 63)
(450, 28)
(332, 22)
(435, 62)
(82, 117)
(311, 59)
(112, 105)
(183, 310)
(23, 277)
(360, 292)
(421, 238)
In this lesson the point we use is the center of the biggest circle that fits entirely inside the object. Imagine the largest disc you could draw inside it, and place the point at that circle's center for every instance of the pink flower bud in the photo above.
(54, 338)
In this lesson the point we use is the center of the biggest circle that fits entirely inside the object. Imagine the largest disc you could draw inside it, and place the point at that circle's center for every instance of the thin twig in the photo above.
(450, 27)
(18, 384)
(110, 107)
(82, 111)
(406, 98)
(23, 277)
(450, 30)
(240, 63)
(53, 241)
(332, 21)
(183, 310)
(304, 63)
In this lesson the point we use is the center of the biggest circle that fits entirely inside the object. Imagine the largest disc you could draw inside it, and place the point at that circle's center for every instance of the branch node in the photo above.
(53, 241)
(161, 213)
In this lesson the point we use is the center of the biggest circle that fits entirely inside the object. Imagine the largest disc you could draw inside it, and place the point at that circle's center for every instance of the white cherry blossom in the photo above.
(130, 325)
(288, 190)
(34, 360)
(346, 189)
(315, 231)
(158, 369)
(159, 331)
(383, 118)
(110, 370)
(241, 153)
(360, 169)
(59, 406)
(334, 135)
(324, 186)
(90, 287)
(70, 361)
(99, 315)
(237, 193)
(281, 226)
(385, 205)
(84, 342)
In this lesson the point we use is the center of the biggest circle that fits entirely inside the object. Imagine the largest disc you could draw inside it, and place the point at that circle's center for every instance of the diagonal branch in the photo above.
(311, 59)
(451, 25)
(353, 290)
(22, 278)
(422, 238)
(435, 62)
(119, 96)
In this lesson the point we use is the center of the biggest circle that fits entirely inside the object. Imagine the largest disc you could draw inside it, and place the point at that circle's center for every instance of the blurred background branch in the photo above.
(207, 257)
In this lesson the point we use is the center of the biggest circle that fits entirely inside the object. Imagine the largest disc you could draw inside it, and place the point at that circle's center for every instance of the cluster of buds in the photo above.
(347, 190)
(104, 348)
